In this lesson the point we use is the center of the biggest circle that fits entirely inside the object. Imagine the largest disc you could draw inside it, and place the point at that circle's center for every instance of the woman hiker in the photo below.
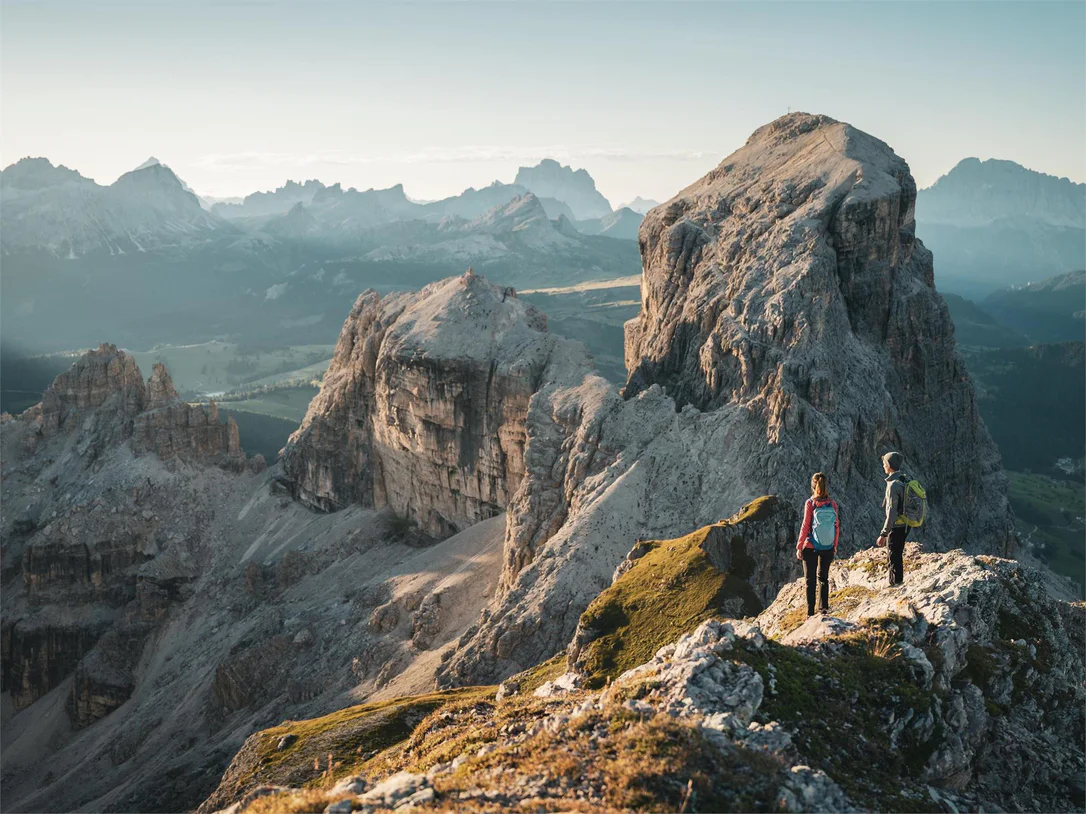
(817, 542)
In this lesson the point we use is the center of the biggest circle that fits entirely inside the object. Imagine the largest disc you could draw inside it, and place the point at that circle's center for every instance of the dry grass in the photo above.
(300, 802)
(882, 644)
(841, 603)
(667, 593)
(612, 761)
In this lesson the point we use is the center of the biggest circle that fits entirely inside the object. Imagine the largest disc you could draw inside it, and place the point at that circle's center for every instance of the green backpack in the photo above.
(915, 504)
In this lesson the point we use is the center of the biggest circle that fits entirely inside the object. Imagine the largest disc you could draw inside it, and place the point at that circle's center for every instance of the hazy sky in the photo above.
(239, 96)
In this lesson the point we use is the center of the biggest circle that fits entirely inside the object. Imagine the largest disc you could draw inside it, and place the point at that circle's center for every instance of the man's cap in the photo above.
(892, 459)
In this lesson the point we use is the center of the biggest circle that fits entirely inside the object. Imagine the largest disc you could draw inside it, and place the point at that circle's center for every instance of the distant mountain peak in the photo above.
(150, 162)
(640, 205)
(992, 166)
(976, 192)
(575, 188)
(36, 173)
(523, 211)
(156, 173)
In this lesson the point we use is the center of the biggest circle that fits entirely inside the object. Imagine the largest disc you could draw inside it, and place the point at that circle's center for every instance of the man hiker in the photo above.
(894, 528)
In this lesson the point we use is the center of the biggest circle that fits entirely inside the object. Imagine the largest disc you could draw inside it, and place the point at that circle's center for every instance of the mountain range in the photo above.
(995, 223)
(481, 577)
(142, 258)
(164, 265)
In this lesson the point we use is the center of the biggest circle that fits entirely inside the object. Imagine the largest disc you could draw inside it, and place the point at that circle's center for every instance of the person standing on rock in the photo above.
(894, 528)
(817, 542)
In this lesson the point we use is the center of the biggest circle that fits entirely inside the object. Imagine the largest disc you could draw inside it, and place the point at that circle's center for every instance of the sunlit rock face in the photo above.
(423, 408)
(789, 324)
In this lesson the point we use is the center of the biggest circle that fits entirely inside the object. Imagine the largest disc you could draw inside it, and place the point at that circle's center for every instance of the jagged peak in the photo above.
(151, 176)
(160, 388)
(329, 193)
(523, 211)
(36, 172)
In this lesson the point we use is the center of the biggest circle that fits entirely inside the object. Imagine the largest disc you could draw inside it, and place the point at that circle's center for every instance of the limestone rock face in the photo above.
(1006, 661)
(160, 389)
(40, 651)
(105, 377)
(170, 427)
(789, 325)
(423, 408)
(64, 564)
(106, 387)
(789, 282)
(104, 679)
(189, 431)
(81, 568)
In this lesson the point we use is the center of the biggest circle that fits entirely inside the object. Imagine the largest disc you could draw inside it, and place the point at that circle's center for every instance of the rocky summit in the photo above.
(789, 325)
(961, 690)
(423, 408)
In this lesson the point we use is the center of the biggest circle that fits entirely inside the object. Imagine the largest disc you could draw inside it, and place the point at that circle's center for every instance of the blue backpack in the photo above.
(823, 527)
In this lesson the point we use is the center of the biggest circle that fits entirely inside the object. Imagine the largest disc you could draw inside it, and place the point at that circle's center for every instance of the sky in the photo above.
(647, 96)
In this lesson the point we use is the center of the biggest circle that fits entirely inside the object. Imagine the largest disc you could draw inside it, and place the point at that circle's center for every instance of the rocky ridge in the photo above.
(104, 399)
(961, 690)
(423, 407)
(81, 569)
(784, 300)
(157, 611)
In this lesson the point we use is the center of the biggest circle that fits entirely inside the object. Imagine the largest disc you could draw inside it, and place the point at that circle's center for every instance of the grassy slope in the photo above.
(289, 403)
(668, 592)
(319, 750)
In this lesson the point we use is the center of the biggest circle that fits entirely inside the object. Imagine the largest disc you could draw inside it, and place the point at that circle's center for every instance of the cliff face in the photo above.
(423, 406)
(106, 386)
(789, 282)
(84, 568)
(106, 378)
(789, 325)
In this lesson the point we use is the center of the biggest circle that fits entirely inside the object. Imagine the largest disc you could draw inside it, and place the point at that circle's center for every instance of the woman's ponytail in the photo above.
(818, 486)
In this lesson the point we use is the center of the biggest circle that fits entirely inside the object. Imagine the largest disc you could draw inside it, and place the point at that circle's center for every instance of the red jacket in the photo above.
(804, 540)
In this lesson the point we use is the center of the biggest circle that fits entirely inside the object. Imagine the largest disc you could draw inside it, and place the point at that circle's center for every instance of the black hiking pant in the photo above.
(817, 564)
(895, 545)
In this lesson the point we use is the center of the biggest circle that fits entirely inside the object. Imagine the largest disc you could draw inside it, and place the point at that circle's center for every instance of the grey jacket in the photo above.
(893, 501)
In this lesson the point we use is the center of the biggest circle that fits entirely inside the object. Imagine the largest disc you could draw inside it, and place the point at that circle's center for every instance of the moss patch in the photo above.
(296, 753)
(841, 707)
(667, 593)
